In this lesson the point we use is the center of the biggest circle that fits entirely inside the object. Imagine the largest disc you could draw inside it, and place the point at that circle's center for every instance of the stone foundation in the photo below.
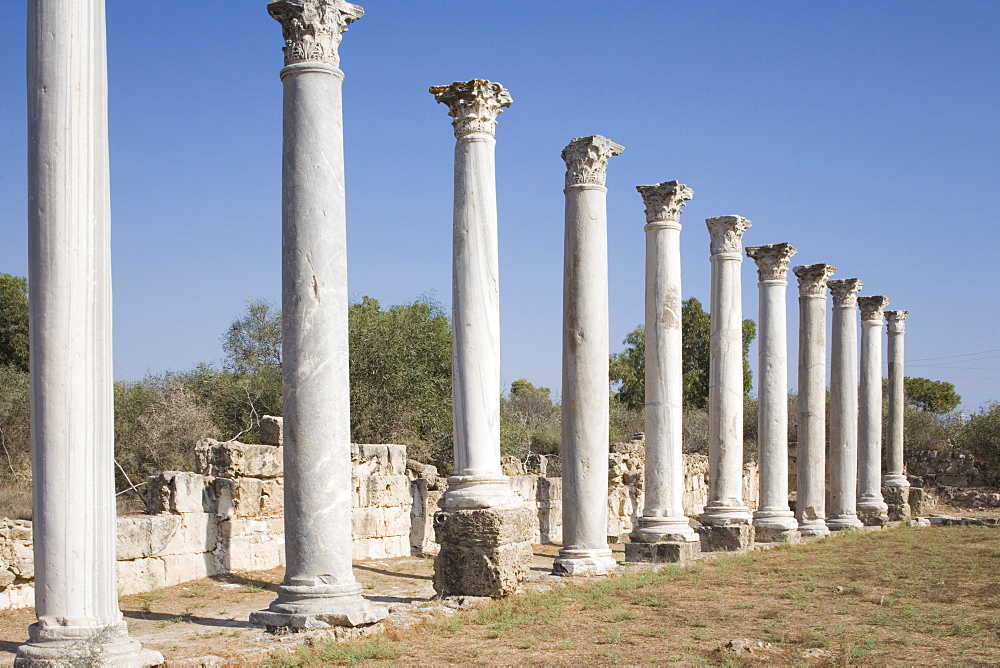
(898, 500)
(662, 552)
(766, 535)
(871, 517)
(483, 552)
(726, 538)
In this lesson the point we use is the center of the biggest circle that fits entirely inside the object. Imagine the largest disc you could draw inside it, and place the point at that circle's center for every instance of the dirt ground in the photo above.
(208, 617)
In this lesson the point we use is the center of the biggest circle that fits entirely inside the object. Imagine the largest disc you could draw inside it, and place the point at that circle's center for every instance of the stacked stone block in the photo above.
(382, 502)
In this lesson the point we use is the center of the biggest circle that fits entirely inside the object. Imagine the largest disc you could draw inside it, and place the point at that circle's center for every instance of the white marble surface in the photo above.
(773, 511)
(810, 505)
(843, 458)
(663, 513)
(725, 394)
(69, 221)
(894, 473)
(585, 360)
(870, 409)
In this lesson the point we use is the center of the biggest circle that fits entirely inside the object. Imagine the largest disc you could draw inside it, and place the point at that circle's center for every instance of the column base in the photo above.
(895, 480)
(584, 562)
(775, 520)
(772, 535)
(872, 512)
(897, 500)
(467, 492)
(302, 608)
(814, 527)
(726, 538)
(724, 515)
(484, 552)
(663, 529)
(662, 552)
(843, 522)
(52, 645)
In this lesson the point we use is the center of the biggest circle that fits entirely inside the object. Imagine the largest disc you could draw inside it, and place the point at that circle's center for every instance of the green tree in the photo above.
(934, 396)
(253, 342)
(15, 421)
(14, 321)
(981, 435)
(627, 368)
(529, 420)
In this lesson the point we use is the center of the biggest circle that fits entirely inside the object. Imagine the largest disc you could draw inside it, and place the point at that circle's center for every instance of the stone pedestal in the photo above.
(773, 518)
(662, 532)
(478, 497)
(897, 500)
(319, 588)
(72, 408)
(726, 537)
(585, 360)
(725, 507)
(484, 552)
(810, 503)
(871, 508)
(895, 475)
(843, 467)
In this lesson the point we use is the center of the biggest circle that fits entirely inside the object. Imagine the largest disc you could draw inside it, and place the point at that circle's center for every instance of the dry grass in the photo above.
(907, 597)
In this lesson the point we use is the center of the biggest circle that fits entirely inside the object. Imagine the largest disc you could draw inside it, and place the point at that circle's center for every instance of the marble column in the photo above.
(478, 493)
(586, 348)
(319, 588)
(726, 518)
(663, 532)
(773, 520)
(72, 408)
(810, 502)
(871, 508)
(895, 486)
(843, 457)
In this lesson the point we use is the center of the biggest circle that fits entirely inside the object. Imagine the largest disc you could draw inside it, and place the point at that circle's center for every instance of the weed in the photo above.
(147, 599)
(861, 651)
(194, 591)
(620, 615)
(613, 655)
(611, 637)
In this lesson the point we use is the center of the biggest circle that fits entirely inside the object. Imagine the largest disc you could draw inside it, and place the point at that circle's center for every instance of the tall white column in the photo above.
(478, 481)
(725, 395)
(773, 518)
(319, 587)
(843, 463)
(663, 516)
(871, 507)
(585, 360)
(894, 468)
(810, 501)
(72, 411)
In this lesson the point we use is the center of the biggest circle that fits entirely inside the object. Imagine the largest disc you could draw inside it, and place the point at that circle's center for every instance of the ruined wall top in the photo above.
(587, 160)
(313, 29)
(664, 201)
(474, 105)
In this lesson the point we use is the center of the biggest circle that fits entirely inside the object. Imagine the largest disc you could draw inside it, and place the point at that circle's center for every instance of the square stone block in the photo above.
(727, 538)
(486, 527)
(918, 500)
(178, 492)
(142, 536)
(898, 500)
(180, 568)
(765, 535)
(272, 430)
(665, 552)
(461, 570)
(873, 518)
(141, 575)
(233, 459)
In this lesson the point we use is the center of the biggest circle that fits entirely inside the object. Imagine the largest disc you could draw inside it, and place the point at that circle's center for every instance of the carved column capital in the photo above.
(872, 307)
(727, 233)
(474, 105)
(587, 160)
(664, 201)
(313, 28)
(896, 321)
(772, 260)
(845, 291)
(813, 278)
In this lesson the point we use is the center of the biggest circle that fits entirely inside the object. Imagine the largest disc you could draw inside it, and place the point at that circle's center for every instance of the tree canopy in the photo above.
(934, 396)
(14, 321)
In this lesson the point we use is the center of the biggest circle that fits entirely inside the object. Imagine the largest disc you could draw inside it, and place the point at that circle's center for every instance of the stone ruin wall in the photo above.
(228, 514)
(952, 476)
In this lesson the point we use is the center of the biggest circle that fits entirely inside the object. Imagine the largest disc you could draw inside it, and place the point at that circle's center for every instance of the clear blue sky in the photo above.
(865, 134)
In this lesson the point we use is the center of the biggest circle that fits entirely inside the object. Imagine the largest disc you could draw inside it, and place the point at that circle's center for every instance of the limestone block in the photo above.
(535, 464)
(873, 518)
(550, 489)
(382, 490)
(550, 522)
(388, 547)
(488, 527)
(22, 561)
(247, 497)
(415, 470)
(178, 492)
(272, 431)
(198, 533)
(511, 466)
(383, 459)
(180, 568)
(224, 491)
(463, 570)
(525, 486)
(143, 536)
(17, 596)
(251, 544)
(379, 522)
(768, 535)
(272, 499)
(728, 538)
(897, 499)
(21, 531)
(664, 552)
(7, 578)
(233, 459)
(141, 575)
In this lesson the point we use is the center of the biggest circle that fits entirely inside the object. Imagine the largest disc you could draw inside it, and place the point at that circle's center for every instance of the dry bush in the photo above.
(15, 498)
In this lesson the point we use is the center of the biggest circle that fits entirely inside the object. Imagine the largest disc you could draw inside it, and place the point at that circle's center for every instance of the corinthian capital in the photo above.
(727, 233)
(587, 159)
(772, 260)
(812, 278)
(845, 291)
(474, 105)
(872, 307)
(896, 321)
(664, 201)
(313, 28)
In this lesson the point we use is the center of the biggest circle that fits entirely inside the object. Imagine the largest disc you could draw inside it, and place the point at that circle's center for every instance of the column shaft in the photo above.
(871, 507)
(810, 504)
(585, 360)
(894, 463)
(72, 410)
(773, 517)
(844, 406)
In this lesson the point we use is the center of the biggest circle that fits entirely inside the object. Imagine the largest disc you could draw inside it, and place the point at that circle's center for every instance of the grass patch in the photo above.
(350, 653)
